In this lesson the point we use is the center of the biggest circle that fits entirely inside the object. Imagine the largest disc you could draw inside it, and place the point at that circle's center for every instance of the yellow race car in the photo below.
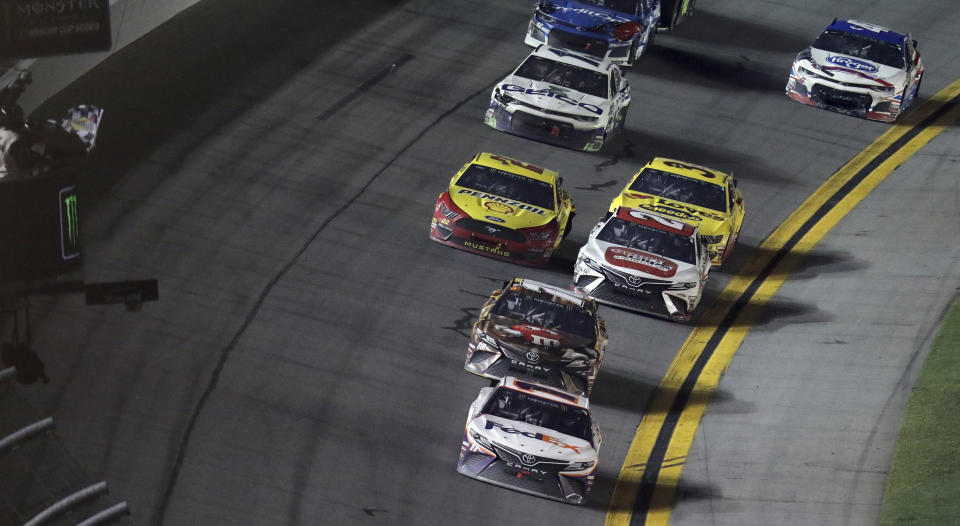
(693, 194)
(504, 208)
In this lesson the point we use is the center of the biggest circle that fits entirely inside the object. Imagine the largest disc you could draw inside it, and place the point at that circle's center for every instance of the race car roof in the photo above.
(573, 297)
(658, 221)
(687, 169)
(548, 393)
(502, 162)
(868, 30)
(574, 59)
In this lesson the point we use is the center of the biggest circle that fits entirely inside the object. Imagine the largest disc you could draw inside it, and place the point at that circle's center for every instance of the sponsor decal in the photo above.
(494, 219)
(493, 250)
(504, 200)
(499, 208)
(530, 434)
(642, 261)
(852, 63)
(549, 93)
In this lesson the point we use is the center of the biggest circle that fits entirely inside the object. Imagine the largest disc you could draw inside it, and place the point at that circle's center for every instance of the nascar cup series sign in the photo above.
(34, 28)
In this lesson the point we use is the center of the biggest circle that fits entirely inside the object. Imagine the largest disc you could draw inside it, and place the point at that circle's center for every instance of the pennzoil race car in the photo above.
(503, 208)
(693, 194)
(638, 260)
(538, 333)
(533, 439)
(858, 69)
(615, 30)
(561, 98)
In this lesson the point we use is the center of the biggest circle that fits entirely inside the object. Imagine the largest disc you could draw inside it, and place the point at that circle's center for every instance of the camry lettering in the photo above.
(504, 200)
(530, 434)
(592, 108)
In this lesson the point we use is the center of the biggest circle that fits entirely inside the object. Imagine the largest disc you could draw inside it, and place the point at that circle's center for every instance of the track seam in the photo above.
(225, 353)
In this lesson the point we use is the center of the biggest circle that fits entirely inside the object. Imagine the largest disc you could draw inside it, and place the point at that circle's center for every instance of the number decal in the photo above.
(531, 167)
(701, 171)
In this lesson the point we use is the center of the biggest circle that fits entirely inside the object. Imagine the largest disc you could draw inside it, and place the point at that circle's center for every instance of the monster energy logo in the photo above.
(69, 223)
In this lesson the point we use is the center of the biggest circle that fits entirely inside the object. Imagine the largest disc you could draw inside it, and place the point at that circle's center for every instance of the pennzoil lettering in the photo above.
(548, 93)
(504, 200)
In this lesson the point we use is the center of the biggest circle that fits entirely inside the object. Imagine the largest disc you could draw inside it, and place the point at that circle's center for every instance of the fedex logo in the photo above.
(529, 434)
(559, 96)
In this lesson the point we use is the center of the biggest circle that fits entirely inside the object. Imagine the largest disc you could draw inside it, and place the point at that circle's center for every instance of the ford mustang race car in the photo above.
(504, 208)
(693, 194)
(533, 439)
(561, 98)
(538, 333)
(638, 260)
(617, 30)
(858, 69)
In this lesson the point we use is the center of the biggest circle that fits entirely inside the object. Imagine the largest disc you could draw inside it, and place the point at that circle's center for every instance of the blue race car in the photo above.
(615, 30)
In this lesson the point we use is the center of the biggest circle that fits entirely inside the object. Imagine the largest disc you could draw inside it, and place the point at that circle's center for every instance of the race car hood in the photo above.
(586, 17)
(499, 210)
(845, 68)
(639, 263)
(536, 440)
(710, 222)
(550, 344)
(554, 98)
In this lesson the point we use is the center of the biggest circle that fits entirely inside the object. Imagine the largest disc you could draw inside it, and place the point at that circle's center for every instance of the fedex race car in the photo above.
(693, 194)
(538, 333)
(642, 261)
(503, 208)
(858, 69)
(561, 98)
(533, 439)
(616, 30)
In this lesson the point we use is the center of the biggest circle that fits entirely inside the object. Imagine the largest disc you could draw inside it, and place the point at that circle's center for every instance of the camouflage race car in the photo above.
(503, 208)
(693, 194)
(538, 333)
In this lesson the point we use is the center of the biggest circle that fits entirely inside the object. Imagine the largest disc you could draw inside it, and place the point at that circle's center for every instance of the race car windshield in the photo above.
(521, 407)
(509, 185)
(564, 75)
(648, 239)
(539, 310)
(624, 6)
(872, 49)
(683, 189)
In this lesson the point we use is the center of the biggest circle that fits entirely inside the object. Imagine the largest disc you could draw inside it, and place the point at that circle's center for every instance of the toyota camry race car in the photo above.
(504, 208)
(616, 30)
(533, 439)
(538, 333)
(561, 98)
(858, 69)
(693, 194)
(641, 261)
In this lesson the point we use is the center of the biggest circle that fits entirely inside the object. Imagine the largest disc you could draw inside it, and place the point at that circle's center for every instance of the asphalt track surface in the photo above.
(304, 365)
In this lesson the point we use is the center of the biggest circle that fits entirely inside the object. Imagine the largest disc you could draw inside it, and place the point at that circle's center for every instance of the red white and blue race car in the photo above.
(858, 69)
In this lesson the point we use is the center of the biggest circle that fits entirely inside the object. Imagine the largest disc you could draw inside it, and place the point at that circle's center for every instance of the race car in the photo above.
(504, 208)
(538, 333)
(561, 98)
(615, 30)
(642, 261)
(693, 194)
(858, 69)
(531, 438)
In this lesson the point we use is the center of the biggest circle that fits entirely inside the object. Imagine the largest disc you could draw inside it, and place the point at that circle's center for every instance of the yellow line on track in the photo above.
(732, 313)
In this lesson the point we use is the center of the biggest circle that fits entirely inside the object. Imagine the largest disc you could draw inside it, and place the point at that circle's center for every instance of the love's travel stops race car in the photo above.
(858, 69)
(538, 333)
(614, 30)
(693, 194)
(533, 439)
(504, 208)
(561, 98)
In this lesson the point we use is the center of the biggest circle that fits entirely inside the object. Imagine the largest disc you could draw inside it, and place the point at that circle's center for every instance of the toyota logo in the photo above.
(635, 281)
(533, 357)
(528, 459)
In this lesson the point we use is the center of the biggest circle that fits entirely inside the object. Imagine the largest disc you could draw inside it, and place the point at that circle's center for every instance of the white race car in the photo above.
(533, 439)
(858, 69)
(561, 98)
(639, 260)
